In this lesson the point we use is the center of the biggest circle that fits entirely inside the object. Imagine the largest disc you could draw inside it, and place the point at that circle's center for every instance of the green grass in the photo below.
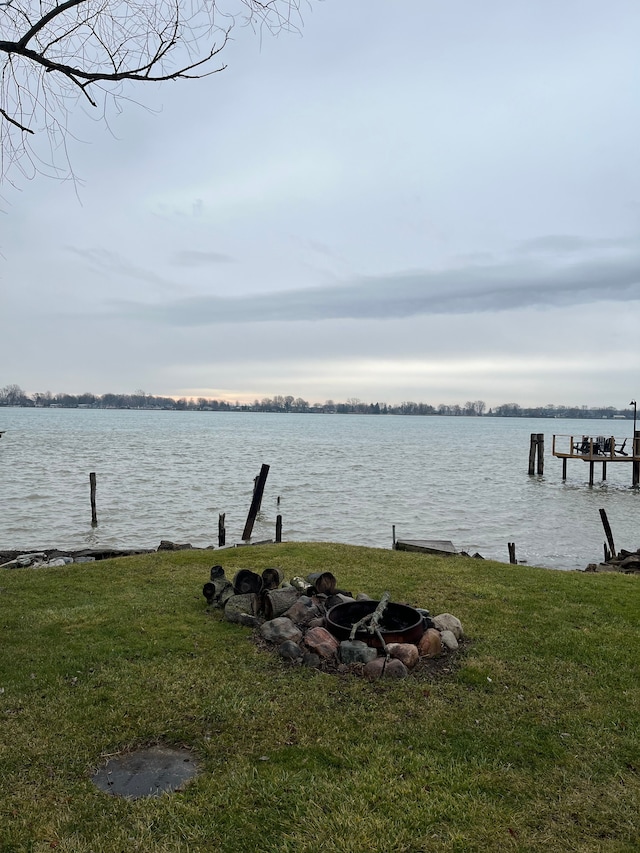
(531, 743)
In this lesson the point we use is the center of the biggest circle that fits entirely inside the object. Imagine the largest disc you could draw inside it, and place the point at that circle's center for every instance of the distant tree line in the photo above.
(13, 395)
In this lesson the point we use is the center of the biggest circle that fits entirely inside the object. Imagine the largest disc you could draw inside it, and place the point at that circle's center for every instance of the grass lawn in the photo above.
(531, 744)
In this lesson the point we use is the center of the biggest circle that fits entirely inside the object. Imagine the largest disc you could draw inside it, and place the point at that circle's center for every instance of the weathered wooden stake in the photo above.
(278, 528)
(258, 491)
(540, 445)
(591, 467)
(222, 533)
(532, 453)
(635, 476)
(94, 515)
(608, 533)
(564, 468)
(536, 447)
(256, 480)
(512, 553)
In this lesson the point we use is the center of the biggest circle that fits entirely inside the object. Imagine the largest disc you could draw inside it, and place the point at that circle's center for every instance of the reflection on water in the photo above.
(168, 475)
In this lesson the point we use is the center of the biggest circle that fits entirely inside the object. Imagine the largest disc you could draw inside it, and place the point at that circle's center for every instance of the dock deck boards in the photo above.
(427, 546)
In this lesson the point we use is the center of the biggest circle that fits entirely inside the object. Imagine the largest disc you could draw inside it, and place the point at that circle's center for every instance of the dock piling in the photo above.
(536, 449)
(512, 553)
(255, 503)
(92, 484)
(222, 533)
(608, 533)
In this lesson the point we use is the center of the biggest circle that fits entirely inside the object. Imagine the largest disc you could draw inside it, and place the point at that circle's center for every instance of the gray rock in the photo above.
(280, 629)
(290, 650)
(395, 669)
(447, 622)
(311, 660)
(355, 651)
(382, 668)
(84, 560)
(28, 559)
(55, 563)
(449, 639)
(302, 611)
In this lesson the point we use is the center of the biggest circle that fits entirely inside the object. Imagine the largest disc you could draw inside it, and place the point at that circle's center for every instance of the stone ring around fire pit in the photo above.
(400, 623)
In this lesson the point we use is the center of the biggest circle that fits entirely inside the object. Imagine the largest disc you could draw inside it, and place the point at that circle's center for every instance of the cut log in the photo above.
(277, 601)
(272, 578)
(325, 584)
(238, 604)
(246, 581)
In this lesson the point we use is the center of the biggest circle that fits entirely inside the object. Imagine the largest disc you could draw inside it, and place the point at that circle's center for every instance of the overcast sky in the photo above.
(412, 200)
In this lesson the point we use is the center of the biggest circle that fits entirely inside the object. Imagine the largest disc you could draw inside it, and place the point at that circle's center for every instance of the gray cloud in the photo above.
(112, 263)
(467, 289)
(193, 258)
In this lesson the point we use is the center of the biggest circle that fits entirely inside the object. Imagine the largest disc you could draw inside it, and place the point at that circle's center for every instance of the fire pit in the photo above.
(399, 624)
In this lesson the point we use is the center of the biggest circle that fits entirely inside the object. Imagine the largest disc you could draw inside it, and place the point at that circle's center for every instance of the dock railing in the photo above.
(599, 448)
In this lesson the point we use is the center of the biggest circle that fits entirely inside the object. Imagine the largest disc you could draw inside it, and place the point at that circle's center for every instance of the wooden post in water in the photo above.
(278, 528)
(591, 467)
(92, 484)
(393, 533)
(564, 468)
(608, 533)
(512, 553)
(222, 533)
(258, 491)
(536, 447)
(256, 480)
(532, 453)
(540, 445)
(635, 478)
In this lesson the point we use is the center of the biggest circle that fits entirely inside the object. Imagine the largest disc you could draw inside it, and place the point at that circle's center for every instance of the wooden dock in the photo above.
(443, 547)
(600, 448)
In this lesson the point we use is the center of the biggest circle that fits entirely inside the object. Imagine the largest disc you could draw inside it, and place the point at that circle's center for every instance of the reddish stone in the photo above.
(320, 641)
(406, 652)
(430, 646)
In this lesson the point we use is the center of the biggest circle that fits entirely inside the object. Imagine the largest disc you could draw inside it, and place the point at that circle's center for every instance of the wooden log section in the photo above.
(278, 527)
(276, 601)
(512, 553)
(255, 502)
(222, 533)
(272, 578)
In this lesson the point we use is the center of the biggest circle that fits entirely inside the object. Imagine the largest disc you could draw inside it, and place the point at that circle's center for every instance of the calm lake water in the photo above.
(167, 475)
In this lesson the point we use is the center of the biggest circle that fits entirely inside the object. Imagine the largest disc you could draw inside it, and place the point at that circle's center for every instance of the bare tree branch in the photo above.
(52, 53)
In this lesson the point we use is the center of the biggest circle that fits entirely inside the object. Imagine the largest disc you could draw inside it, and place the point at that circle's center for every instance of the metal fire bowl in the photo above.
(399, 624)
